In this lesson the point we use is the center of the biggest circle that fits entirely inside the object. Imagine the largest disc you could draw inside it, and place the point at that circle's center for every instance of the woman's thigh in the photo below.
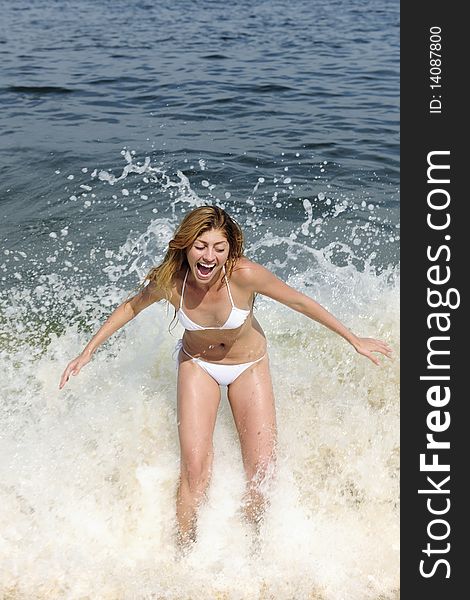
(198, 397)
(252, 402)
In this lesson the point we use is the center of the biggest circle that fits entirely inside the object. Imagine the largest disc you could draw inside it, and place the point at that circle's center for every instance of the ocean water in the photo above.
(116, 119)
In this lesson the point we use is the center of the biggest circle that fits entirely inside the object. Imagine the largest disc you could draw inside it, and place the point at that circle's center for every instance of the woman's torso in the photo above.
(214, 309)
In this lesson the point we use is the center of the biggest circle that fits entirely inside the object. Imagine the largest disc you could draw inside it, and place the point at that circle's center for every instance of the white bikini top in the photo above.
(235, 319)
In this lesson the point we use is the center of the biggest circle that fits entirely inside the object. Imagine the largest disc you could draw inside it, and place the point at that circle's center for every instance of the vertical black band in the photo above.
(434, 253)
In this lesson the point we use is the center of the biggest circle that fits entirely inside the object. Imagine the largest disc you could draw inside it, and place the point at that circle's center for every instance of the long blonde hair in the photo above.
(194, 224)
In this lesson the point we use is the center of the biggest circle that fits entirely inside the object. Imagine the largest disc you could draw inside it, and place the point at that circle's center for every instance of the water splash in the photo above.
(88, 475)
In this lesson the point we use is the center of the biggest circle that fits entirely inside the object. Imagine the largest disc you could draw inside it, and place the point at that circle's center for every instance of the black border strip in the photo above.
(423, 132)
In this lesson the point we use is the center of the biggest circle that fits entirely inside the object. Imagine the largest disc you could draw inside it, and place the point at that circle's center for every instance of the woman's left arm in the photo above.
(266, 283)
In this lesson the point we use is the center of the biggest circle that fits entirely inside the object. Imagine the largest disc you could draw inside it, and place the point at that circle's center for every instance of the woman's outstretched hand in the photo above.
(73, 368)
(366, 346)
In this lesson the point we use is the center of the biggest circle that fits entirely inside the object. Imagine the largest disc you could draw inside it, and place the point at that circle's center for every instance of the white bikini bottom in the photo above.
(222, 374)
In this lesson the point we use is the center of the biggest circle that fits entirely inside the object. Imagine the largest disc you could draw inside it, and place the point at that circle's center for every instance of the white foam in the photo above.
(88, 475)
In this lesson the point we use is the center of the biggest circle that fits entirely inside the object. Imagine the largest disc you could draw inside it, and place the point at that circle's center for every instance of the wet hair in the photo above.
(198, 221)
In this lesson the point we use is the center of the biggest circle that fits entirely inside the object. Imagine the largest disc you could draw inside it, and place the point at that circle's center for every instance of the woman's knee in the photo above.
(196, 471)
(261, 471)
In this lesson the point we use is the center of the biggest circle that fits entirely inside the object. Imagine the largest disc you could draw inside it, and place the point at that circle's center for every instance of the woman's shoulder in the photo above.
(171, 294)
(177, 285)
(246, 272)
(243, 267)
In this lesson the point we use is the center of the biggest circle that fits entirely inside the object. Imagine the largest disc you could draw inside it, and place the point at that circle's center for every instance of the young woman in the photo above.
(212, 286)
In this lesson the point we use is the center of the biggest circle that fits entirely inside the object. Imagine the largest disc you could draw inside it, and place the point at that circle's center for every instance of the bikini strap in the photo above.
(182, 289)
(228, 288)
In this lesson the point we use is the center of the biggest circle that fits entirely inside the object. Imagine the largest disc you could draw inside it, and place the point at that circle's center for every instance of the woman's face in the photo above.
(207, 255)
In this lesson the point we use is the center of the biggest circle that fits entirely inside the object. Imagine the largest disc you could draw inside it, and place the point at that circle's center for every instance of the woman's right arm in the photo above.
(124, 313)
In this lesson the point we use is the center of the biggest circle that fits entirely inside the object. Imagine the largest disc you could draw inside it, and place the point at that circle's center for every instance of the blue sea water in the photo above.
(116, 117)
(306, 93)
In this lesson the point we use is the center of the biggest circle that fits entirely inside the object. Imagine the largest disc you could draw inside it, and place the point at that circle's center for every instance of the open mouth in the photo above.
(204, 269)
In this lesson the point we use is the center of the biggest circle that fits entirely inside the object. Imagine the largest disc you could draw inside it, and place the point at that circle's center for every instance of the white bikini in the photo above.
(223, 374)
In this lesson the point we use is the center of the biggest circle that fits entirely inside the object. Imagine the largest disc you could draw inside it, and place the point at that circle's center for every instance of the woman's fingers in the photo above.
(64, 379)
(382, 348)
(386, 350)
(367, 352)
(71, 369)
(369, 345)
